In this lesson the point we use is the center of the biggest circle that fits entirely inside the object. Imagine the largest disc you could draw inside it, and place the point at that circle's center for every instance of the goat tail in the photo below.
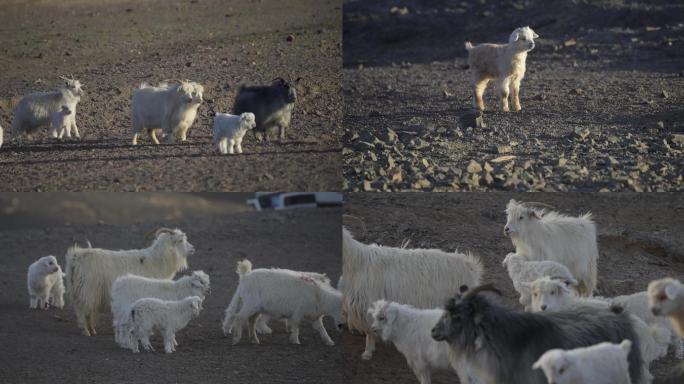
(244, 267)
(468, 45)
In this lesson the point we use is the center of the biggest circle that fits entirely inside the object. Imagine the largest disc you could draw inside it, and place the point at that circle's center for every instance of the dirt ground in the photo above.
(602, 97)
(113, 46)
(46, 347)
(639, 241)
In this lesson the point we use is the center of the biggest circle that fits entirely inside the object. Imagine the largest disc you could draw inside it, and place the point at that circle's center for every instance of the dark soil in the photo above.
(602, 97)
(639, 241)
(46, 346)
(113, 46)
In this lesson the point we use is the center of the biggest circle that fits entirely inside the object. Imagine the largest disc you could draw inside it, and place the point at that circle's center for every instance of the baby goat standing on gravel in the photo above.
(45, 283)
(168, 317)
(230, 129)
(60, 122)
(504, 62)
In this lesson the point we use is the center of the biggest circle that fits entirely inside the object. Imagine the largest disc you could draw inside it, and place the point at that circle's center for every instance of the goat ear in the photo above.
(534, 34)
(672, 291)
(537, 364)
(297, 80)
(514, 36)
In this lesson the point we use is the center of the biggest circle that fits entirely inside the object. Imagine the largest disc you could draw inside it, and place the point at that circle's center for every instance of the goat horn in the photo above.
(363, 225)
(482, 288)
(533, 204)
(156, 232)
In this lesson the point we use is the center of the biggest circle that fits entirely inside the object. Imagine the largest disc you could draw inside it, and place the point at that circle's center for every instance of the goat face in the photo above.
(550, 295)
(50, 265)
(662, 296)
(200, 281)
(74, 86)
(288, 90)
(457, 325)
(181, 244)
(523, 39)
(383, 315)
(518, 217)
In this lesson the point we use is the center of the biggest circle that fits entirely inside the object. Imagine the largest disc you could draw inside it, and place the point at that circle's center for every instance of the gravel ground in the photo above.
(113, 46)
(601, 97)
(639, 241)
(46, 346)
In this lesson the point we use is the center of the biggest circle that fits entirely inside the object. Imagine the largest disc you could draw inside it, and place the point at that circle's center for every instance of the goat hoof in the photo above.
(366, 355)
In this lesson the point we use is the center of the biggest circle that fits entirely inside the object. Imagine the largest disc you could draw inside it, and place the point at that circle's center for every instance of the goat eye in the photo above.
(662, 297)
(522, 217)
(381, 318)
(553, 293)
(561, 370)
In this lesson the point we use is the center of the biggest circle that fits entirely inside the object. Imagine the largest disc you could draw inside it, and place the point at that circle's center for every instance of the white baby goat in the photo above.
(230, 129)
(504, 62)
(603, 363)
(45, 284)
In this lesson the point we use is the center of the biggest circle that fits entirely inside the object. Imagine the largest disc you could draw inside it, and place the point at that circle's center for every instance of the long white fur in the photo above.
(424, 278)
(128, 288)
(34, 110)
(229, 130)
(408, 328)
(169, 108)
(604, 363)
(521, 271)
(91, 272)
(45, 283)
(281, 293)
(167, 316)
(570, 241)
(653, 339)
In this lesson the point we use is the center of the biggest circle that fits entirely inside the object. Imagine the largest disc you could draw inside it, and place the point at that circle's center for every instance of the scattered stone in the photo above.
(577, 91)
(562, 161)
(400, 11)
(652, 29)
(290, 38)
(448, 94)
(664, 94)
(474, 167)
(504, 149)
(395, 175)
(502, 159)
(570, 42)
(488, 168)
(388, 135)
(367, 187)
(678, 138)
(422, 183)
(582, 133)
(660, 124)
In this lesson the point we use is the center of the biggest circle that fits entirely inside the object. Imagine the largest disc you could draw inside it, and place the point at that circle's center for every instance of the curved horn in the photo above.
(482, 288)
(536, 204)
(156, 232)
(358, 220)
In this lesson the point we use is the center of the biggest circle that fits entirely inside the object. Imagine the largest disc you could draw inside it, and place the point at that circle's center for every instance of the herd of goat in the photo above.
(168, 109)
(430, 304)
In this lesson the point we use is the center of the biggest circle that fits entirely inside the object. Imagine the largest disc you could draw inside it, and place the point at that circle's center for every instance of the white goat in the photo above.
(424, 278)
(653, 339)
(540, 235)
(167, 316)
(522, 271)
(281, 293)
(45, 284)
(408, 328)
(504, 62)
(169, 108)
(230, 129)
(666, 298)
(60, 122)
(35, 110)
(91, 271)
(603, 363)
(128, 288)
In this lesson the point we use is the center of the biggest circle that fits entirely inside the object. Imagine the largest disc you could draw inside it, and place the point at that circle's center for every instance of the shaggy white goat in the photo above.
(281, 293)
(424, 278)
(45, 285)
(230, 129)
(35, 110)
(504, 62)
(129, 288)
(522, 271)
(408, 328)
(555, 294)
(166, 316)
(91, 271)
(653, 339)
(60, 122)
(666, 298)
(603, 363)
(169, 108)
(540, 235)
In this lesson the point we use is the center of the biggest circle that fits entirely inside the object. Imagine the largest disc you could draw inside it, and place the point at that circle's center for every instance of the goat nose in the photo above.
(543, 307)
(655, 311)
